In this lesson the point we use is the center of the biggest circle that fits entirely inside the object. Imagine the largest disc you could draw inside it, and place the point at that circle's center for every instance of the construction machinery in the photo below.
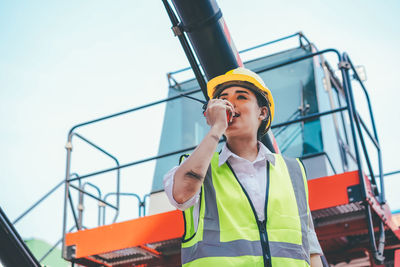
(317, 120)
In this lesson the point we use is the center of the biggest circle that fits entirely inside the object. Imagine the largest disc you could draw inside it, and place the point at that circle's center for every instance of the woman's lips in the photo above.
(236, 115)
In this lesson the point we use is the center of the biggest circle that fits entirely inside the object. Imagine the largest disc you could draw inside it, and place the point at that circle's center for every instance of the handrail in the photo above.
(364, 148)
(382, 191)
(93, 196)
(291, 61)
(277, 133)
(72, 208)
(133, 163)
(309, 117)
(109, 155)
(389, 173)
(99, 195)
(300, 34)
(129, 111)
(34, 205)
(142, 203)
(374, 141)
(76, 218)
(344, 65)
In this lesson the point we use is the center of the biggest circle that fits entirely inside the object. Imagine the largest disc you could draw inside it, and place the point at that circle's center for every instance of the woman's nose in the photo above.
(232, 101)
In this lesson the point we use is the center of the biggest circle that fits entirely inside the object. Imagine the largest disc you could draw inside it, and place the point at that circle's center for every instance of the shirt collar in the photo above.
(263, 154)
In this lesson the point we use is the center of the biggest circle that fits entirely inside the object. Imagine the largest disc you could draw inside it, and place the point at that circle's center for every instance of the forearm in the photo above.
(316, 260)
(190, 175)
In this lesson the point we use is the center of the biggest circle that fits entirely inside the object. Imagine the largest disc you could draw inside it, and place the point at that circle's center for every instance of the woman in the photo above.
(244, 206)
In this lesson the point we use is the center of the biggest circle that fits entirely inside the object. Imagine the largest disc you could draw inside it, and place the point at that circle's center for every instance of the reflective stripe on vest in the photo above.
(227, 231)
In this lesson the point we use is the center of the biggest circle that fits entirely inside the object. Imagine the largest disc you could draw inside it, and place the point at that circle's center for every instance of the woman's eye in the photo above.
(241, 97)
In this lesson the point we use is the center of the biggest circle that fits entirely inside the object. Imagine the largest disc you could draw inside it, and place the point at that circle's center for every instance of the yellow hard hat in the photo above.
(244, 75)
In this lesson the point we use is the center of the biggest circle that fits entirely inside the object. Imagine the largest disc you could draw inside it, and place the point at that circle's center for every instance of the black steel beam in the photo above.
(204, 25)
(13, 250)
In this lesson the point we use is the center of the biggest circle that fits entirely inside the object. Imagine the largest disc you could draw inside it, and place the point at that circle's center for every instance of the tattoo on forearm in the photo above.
(215, 137)
(192, 174)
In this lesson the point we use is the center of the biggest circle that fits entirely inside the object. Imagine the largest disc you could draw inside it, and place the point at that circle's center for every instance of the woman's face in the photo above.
(248, 115)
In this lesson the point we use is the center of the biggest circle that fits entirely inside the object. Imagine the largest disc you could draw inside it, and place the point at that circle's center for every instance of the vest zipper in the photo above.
(262, 228)
(266, 217)
(264, 241)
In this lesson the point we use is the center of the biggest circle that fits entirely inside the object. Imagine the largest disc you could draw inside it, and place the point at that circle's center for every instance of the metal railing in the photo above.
(300, 35)
(345, 65)
(355, 123)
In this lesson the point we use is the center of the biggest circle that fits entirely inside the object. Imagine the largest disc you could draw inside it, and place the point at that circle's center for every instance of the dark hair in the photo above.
(261, 101)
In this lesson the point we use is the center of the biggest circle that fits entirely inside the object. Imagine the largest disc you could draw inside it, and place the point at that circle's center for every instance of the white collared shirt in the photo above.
(253, 177)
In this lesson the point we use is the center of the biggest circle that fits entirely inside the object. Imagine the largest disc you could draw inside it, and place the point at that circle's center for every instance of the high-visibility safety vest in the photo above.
(229, 232)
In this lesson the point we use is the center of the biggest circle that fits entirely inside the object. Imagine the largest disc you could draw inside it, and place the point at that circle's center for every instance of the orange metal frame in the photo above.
(133, 233)
(331, 191)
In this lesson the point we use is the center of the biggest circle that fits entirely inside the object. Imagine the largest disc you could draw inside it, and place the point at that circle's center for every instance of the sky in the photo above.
(62, 63)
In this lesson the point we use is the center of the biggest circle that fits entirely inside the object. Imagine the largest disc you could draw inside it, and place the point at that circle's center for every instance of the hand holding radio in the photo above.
(219, 113)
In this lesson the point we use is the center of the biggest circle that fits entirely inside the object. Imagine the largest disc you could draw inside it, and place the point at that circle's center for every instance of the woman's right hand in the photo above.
(216, 113)
(190, 174)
